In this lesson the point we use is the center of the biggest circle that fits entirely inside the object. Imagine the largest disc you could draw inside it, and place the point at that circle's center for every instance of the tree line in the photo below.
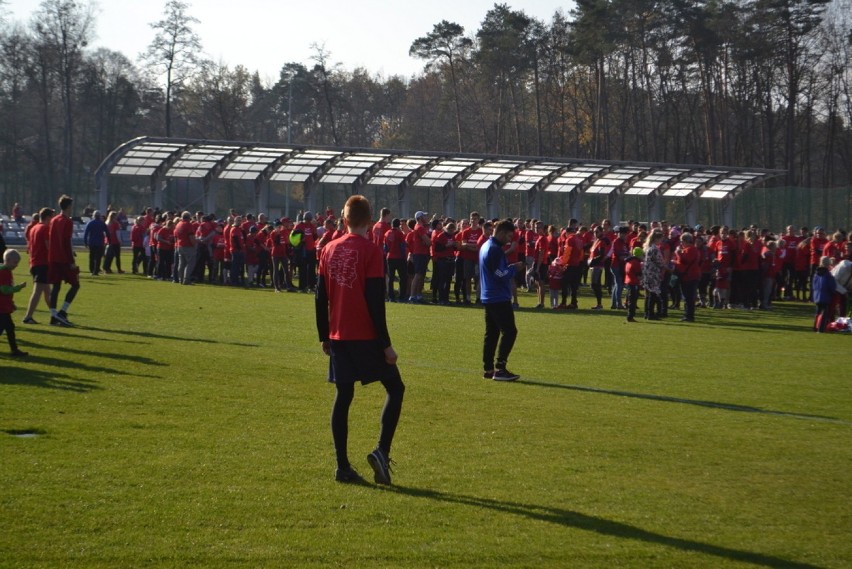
(759, 83)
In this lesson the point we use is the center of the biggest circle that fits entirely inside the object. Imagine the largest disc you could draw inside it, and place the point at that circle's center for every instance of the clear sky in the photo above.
(263, 35)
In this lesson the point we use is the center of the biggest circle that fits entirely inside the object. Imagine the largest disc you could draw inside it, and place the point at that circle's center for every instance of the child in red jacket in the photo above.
(633, 280)
(8, 288)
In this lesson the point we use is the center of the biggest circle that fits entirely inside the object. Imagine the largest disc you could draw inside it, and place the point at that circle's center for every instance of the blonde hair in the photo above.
(653, 237)
(11, 255)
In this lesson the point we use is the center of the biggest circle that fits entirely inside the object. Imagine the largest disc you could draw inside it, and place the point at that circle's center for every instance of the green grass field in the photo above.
(188, 427)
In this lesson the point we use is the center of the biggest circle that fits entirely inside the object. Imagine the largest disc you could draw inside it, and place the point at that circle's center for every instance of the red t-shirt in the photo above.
(309, 235)
(394, 241)
(61, 230)
(237, 239)
(619, 253)
(724, 252)
(380, 229)
(817, 246)
(688, 263)
(279, 244)
(633, 272)
(39, 240)
(112, 233)
(417, 245)
(530, 239)
(470, 236)
(137, 236)
(541, 250)
(442, 245)
(345, 266)
(183, 234)
(166, 239)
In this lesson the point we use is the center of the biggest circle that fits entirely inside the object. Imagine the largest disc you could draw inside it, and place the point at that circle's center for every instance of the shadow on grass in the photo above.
(571, 519)
(45, 379)
(136, 333)
(697, 402)
(109, 355)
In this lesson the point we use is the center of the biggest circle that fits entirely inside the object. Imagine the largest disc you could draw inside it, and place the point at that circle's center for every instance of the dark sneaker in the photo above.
(505, 375)
(488, 374)
(54, 321)
(63, 317)
(29, 321)
(348, 476)
(19, 354)
(381, 466)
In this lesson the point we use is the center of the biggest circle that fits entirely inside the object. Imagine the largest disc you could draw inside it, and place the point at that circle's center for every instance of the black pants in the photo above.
(499, 327)
(397, 269)
(308, 270)
(632, 300)
(688, 288)
(113, 252)
(96, 256)
(8, 325)
(139, 258)
(340, 417)
(443, 277)
(571, 281)
(653, 305)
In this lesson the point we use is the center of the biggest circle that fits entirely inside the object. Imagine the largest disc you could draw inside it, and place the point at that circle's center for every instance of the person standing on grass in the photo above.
(823, 288)
(8, 288)
(350, 318)
(185, 245)
(39, 246)
(94, 238)
(61, 264)
(113, 243)
(496, 277)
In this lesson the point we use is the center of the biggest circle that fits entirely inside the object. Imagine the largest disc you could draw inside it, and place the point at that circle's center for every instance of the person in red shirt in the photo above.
(8, 288)
(61, 264)
(395, 256)
(381, 227)
(836, 248)
(597, 256)
(817, 245)
(749, 266)
(769, 265)
(237, 248)
(137, 242)
(278, 243)
(469, 255)
(350, 318)
(419, 251)
(802, 266)
(39, 241)
(217, 247)
(204, 228)
(788, 275)
(687, 266)
(572, 259)
(185, 246)
(306, 255)
(633, 281)
(443, 260)
(540, 259)
(704, 283)
(618, 253)
(166, 250)
(113, 239)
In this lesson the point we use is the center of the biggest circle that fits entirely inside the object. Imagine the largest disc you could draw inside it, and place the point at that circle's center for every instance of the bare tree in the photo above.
(174, 52)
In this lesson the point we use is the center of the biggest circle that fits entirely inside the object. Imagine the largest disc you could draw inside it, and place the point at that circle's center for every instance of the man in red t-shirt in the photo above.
(350, 317)
(395, 254)
(185, 244)
(306, 255)
(469, 254)
(39, 242)
(419, 251)
(381, 227)
(61, 264)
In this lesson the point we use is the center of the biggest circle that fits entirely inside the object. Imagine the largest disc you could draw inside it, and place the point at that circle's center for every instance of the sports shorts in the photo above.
(359, 360)
(40, 274)
(59, 272)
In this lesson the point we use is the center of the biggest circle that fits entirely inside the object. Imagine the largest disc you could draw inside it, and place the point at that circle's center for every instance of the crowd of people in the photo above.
(674, 266)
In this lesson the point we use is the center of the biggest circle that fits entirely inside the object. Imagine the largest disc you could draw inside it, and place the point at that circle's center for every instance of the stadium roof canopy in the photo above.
(159, 159)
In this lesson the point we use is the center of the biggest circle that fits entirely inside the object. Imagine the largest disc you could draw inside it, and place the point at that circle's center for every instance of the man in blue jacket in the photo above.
(94, 237)
(495, 280)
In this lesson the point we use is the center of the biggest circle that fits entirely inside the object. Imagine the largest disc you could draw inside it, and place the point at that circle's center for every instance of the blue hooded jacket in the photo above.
(495, 274)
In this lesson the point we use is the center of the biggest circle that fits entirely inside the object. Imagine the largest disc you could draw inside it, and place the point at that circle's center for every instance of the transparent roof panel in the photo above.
(576, 176)
(653, 182)
(251, 163)
(527, 178)
(613, 180)
(487, 174)
(144, 159)
(441, 174)
(302, 166)
(350, 168)
(198, 162)
(399, 169)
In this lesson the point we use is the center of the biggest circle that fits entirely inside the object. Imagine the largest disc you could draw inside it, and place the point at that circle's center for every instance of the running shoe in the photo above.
(505, 375)
(381, 466)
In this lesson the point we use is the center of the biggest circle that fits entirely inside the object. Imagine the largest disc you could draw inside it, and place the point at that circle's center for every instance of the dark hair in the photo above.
(505, 225)
(395, 223)
(45, 213)
(65, 201)
(385, 211)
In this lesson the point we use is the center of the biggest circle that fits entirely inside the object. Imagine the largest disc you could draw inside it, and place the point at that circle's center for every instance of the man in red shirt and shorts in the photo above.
(61, 263)
(350, 316)
(39, 239)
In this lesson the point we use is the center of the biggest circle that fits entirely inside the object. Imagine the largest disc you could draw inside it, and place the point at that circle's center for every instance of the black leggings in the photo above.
(8, 325)
(340, 417)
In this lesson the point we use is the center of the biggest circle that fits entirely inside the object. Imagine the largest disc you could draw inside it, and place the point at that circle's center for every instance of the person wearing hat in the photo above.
(687, 261)
(618, 254)
(633, 280)
(420, 245)
(94, 238)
